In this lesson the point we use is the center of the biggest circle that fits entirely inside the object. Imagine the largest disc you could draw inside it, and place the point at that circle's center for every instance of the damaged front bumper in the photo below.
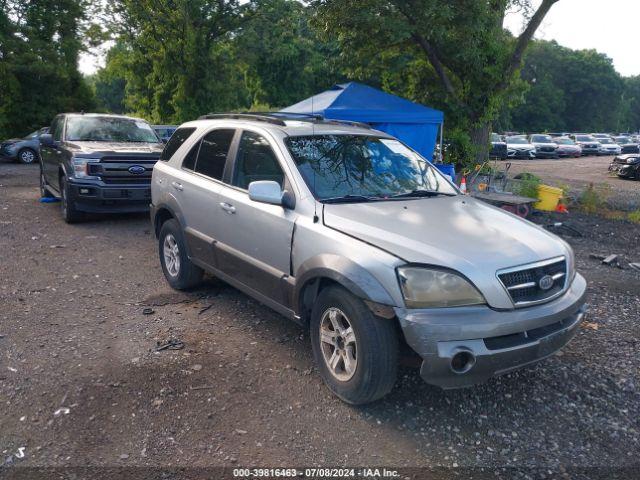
(464, 346)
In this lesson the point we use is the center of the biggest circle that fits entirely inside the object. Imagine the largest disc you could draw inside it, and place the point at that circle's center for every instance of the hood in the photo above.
(115, 147)
(520, 146)
(459, 233)
(14, 140)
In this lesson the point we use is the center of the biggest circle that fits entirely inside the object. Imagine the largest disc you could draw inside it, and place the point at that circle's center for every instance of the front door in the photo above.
(254, 239)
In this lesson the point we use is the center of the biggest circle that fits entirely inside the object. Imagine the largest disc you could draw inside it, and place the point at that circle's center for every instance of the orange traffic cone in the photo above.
(463, 185)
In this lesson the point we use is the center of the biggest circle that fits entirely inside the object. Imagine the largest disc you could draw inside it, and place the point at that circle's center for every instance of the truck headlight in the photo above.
(430, 288)
(81, 167)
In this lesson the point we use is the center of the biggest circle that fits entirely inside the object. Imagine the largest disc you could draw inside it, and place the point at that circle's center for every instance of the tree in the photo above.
(574, 90)
(461, 44)
(39, 52)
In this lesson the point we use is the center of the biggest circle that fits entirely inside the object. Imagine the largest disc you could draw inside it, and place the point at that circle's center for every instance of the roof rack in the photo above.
(244, 116)
(279, 118)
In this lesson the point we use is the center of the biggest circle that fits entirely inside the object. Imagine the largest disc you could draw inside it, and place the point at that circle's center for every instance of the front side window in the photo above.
(354, 166)
(255, 161)
(213, 152)
(56, 129)
(176, 141)
(109, 129)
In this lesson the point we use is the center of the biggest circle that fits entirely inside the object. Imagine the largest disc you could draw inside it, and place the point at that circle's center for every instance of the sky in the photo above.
(611, 27)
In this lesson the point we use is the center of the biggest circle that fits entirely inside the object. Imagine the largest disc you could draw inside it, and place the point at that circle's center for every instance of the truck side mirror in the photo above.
(46, 140)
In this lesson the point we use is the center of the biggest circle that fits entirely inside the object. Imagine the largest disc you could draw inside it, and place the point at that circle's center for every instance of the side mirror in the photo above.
(268, 191)
(46, 140)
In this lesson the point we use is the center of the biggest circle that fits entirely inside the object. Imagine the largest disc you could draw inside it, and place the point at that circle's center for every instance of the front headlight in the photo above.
(430, 288)
(81, 167)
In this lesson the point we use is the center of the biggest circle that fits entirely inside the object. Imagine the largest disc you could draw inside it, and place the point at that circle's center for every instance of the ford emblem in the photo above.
(137, 169)
(546, 282)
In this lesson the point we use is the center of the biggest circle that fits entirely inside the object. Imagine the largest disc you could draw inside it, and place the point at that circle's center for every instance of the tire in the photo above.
(171, 245)
(44, 192)
(67, 203)
(27, 156)
(373, 339)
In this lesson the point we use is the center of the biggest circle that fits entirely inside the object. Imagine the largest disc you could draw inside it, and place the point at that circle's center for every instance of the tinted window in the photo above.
(190, 160)
(213, 153)
(255, 161)
(56, 128)
(176, 142)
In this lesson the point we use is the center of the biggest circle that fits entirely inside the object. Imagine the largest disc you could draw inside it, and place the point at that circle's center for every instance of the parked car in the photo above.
(330, 224)
(24, 150)
(498, 147)
(164, 132)
(567, 147)
(98, 163)
(588, 144)
(609, 147)
(519, 147)
(627, 144)
(626, 166)
(546, 147)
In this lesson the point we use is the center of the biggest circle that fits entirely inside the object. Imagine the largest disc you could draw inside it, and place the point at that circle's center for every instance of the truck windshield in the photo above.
(109, 129)
(364, 168)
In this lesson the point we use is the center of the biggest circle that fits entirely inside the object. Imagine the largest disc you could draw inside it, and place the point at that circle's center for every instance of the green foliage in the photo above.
(39, 47)
(634, 216)
(569, 90)
(528, 185)
(594, 197)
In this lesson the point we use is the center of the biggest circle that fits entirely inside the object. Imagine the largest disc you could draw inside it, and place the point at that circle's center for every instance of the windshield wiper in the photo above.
(350, 199)
(422, 193)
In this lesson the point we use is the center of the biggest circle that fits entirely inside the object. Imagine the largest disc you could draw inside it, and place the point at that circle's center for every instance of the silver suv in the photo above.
(349, 232)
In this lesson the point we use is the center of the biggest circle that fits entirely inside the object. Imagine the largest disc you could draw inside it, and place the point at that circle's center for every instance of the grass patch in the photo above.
(634, 216)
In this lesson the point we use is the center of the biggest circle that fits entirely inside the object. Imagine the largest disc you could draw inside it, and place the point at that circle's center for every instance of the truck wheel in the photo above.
(27, 156)
(179, 271)
(69, 211)
(44, 192)
(355, 351)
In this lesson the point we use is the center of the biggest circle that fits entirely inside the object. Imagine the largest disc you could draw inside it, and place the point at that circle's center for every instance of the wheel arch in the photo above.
(325, 270)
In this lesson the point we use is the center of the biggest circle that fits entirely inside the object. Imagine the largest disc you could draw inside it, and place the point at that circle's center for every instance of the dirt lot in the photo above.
(82, 385)
(577, 173)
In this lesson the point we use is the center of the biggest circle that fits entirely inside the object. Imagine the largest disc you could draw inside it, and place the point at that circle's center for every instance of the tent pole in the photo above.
(441, 146)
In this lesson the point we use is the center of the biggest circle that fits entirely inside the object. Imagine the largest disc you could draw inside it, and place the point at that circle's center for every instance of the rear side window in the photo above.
(189, 161)
(176, 141)
(213, 153)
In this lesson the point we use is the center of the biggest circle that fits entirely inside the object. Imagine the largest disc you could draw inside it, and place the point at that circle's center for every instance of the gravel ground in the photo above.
(578, 173)
(82, 385)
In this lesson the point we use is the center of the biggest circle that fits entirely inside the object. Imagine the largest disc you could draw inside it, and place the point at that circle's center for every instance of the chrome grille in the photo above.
(523, 283)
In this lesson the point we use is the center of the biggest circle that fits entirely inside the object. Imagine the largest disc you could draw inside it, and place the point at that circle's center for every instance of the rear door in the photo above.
(196, 187)
(254, 239)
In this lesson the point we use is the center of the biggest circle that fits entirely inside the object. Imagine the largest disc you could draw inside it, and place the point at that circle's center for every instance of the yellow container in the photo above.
(548, 198)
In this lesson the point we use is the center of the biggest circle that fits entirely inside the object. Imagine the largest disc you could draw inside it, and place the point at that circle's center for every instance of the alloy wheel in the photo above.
(171, 255)
(27, 156)
(338, 344)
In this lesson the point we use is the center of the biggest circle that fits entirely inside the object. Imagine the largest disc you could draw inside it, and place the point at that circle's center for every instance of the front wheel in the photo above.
(68, 204)
(178, 269)
(27, 156)
(355, 351)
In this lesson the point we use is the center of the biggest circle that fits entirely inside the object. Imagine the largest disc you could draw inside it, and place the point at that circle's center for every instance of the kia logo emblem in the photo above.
(546, 282)
(137, 169)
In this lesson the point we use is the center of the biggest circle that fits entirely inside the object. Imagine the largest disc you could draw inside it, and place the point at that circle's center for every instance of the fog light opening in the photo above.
(462, 361)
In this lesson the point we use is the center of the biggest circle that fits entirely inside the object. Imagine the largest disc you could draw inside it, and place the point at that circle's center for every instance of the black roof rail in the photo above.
(244, 116)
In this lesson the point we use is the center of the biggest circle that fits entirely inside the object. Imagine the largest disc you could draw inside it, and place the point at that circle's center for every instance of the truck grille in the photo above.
(525, 284)
(116, 170)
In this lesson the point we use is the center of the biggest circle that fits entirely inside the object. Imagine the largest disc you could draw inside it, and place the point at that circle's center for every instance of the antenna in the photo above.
(313, 134)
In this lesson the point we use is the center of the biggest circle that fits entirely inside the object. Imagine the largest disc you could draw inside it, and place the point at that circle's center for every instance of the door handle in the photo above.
(230, 209)
(177, 186)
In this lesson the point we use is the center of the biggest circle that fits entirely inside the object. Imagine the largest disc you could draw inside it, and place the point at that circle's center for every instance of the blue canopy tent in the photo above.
(414, 124)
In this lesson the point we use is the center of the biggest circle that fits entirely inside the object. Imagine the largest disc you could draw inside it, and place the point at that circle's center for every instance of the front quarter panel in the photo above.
(367, 271)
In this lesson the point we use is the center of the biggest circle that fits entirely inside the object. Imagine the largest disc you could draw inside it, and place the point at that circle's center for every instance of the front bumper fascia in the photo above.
(438, 334)
(95, 197)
